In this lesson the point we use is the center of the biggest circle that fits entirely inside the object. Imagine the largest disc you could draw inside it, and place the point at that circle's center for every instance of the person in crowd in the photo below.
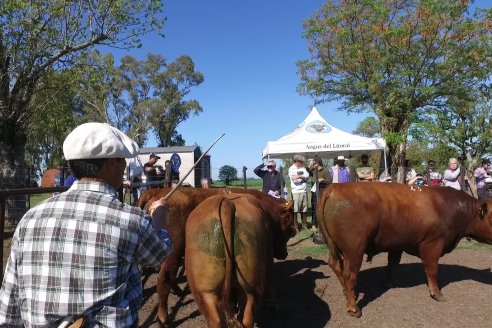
(452, 175)
(339, 172)
(204, 183)
(75, 256)
(418, 180)
(168, 177)
(153, 171)
(434, 178)
(272, 180)
(324, 179)
(385, 177)
(481, 175)
(410, 173)
(298, 186)
(136, 189)
(365, 172)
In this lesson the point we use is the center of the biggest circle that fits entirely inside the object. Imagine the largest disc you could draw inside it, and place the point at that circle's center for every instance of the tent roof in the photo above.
(314, 136)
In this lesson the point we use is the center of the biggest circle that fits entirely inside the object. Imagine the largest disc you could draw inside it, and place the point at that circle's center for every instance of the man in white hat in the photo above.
(339, 172)
(75, 256)
(298, 185)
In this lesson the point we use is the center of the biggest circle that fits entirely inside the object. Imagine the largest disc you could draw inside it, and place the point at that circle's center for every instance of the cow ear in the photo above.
(483, 210)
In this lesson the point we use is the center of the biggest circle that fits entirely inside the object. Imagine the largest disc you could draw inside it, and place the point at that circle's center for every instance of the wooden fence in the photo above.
(6, 193)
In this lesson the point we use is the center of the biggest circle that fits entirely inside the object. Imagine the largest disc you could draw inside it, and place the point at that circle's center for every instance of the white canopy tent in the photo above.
(314, 136)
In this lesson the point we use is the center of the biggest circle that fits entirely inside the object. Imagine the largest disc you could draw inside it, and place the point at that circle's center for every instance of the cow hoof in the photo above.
(438, 297)
(161, 319)
(357, 313)
(161, 323)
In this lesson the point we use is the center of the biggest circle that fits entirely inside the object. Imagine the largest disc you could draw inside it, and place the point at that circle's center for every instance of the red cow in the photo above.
(426, 222)
(181, 203)
(230, 244)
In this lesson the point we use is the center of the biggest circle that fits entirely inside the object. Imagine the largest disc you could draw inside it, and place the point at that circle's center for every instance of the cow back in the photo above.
(390, 216)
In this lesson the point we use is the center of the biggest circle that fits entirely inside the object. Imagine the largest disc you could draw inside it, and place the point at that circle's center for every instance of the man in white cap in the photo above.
(75, 256)
(339, 172)
(298, 185)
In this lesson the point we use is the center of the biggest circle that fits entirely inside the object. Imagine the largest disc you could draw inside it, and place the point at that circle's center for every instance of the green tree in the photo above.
(394, 58)
(463, 125)
(228, 174)
(53, 106)
(369, 127)
(139, 96)
(37, 37)
(171, 109)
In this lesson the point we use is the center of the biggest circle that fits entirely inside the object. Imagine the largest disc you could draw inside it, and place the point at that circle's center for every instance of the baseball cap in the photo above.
(153, 155)
(98, 140)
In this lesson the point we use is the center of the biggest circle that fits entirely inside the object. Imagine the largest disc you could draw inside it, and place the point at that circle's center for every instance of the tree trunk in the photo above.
(12, 166)
(397, 151)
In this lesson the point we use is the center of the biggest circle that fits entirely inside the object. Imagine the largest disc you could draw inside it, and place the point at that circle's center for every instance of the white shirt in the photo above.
(298, 185)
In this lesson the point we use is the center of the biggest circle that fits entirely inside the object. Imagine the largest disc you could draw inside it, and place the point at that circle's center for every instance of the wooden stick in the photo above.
(180, 182)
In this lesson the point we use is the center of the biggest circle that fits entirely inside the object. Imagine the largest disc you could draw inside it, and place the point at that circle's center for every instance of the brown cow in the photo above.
(426, 222)
(181, 203)
(230, 244)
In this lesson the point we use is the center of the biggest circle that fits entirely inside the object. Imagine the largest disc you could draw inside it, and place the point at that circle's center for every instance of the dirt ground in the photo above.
(310, 296)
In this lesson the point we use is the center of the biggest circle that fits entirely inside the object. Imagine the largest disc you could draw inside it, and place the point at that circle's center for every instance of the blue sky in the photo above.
(247, 51)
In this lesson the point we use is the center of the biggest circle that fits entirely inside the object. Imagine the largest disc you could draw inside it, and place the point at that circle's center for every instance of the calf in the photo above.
(230, 244)
(427, 222)
(181, 203)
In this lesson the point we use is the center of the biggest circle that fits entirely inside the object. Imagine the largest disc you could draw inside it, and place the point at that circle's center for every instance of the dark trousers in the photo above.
(314, 221)
(484, 193)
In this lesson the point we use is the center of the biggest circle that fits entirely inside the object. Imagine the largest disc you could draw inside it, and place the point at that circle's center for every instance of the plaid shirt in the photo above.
(78, 253)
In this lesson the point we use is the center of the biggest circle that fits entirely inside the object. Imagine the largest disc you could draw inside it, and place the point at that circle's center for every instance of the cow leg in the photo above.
(166, 279)
(393, 260)
(248, 312)
(351, 267)
(337, 267)
(430, 259)
(211, 311)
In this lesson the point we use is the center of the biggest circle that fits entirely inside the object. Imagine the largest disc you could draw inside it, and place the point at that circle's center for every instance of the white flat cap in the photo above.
(98, 140)
(341, 158)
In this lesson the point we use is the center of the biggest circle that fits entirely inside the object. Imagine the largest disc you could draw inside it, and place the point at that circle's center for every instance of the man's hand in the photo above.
(158, 203)
(126, 184)
(158, 211)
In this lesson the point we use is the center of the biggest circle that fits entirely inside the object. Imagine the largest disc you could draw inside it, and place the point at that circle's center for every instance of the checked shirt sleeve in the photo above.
(10, 315)
(154, 246)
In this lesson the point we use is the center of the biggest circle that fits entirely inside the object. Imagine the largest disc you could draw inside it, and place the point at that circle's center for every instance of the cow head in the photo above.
(283, 228)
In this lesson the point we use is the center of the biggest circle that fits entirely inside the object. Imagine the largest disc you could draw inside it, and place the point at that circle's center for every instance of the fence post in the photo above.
(244, 177)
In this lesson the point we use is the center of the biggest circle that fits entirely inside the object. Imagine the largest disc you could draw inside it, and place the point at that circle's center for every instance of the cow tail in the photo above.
(227, 213)
(333, 249)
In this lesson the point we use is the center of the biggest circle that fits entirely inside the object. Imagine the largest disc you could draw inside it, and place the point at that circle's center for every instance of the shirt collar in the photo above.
(96, 186)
